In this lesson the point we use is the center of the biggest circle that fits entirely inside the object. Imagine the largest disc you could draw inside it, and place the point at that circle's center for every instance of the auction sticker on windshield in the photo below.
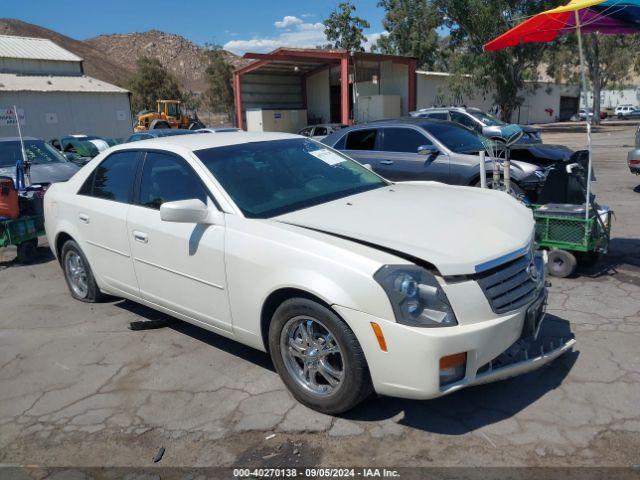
(327, 156)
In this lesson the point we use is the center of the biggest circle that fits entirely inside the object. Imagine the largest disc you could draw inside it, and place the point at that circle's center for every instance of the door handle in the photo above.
(140, 236)
(83, 217)
(386, 162)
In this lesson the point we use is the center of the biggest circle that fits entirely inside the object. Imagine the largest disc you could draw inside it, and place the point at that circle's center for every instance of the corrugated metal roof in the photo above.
(34, 49)
(11, 82)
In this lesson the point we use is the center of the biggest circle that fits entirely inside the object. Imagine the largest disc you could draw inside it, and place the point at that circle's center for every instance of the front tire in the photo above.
(78, 274)
(318, 357)
(515, 189)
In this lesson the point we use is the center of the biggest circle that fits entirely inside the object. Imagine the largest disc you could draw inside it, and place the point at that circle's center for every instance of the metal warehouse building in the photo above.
(288, 88)
(52, 95)
(285, 89)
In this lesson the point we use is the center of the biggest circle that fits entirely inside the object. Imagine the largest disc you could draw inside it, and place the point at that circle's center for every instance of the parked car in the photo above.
(632, 115)
(424, 149)
(157, 133)
(581, 116)
(622, 110)
(219, 130)
(48, 165)
(478, 121)
(318, 132)
(351, 283)
(633, 158)
(81, 149)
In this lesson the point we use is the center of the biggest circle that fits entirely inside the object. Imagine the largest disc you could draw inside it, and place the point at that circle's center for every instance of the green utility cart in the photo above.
(569, 237)
(23, 232)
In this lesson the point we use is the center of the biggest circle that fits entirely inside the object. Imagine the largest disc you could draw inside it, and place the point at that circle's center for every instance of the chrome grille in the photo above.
(510, 286)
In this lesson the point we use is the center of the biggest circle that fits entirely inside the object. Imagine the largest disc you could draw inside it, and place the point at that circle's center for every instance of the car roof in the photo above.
(17, 139)
(439, 109)
(418, 121)
(200, 141)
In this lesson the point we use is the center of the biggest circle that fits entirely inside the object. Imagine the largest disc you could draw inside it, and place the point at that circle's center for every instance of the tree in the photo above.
(344, 30)
(151, 82)
(412, 28)
(609, 61)
(219, 93)
(473, 23)
(191, 100)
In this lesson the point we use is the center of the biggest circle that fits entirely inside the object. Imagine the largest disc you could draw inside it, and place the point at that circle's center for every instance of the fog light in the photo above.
(452, 368)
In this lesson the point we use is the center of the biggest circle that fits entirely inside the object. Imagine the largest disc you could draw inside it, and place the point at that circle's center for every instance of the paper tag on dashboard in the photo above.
(327, 156)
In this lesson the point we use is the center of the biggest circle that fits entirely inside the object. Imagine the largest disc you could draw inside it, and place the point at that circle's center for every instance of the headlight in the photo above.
(416, 296)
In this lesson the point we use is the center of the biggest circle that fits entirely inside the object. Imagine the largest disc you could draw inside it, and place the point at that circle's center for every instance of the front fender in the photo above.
(262, 258)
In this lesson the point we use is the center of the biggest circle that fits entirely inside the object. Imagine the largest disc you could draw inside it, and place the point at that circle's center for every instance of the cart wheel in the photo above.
(561, 263)
(27, 250)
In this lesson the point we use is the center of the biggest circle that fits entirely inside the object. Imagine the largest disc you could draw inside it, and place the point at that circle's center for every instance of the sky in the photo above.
(238, 25)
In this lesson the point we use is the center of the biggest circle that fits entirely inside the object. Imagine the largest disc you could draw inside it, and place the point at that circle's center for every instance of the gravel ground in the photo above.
(77, 388)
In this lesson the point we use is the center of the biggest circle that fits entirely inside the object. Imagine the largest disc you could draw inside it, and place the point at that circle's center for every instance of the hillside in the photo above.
(112, 58)
(180, 56)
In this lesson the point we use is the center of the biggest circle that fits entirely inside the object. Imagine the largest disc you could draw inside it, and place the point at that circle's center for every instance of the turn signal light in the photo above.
(378, 332)
(452, 368)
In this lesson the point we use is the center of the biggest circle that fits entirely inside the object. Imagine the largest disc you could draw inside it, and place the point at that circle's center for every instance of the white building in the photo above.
(543, 102)
(610, 99)
(52, 95)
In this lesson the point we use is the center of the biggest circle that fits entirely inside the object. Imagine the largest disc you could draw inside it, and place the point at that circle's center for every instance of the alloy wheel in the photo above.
(312, 355)
(76, 274)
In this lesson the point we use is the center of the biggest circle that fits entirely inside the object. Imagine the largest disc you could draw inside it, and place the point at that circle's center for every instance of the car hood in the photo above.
(459, 230)
(519, 169)
(528, 129)
(46, 173)
(545, 151)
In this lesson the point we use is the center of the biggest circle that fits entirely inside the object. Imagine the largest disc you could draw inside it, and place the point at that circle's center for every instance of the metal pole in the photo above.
(483, 171)
(507, 170)
(25, 160)
(583, 74)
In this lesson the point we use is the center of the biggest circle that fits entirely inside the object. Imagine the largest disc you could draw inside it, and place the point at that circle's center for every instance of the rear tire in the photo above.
(78, 274)
(561, 263)
(159, 124)
(318, 357)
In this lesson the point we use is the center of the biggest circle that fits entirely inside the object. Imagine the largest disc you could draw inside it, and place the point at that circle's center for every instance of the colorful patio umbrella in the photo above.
(610, 17)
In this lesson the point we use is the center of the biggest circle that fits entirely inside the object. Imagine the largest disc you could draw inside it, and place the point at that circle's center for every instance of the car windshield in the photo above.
(457, 139)
(38, 151)
(272, 178)
(486, 118)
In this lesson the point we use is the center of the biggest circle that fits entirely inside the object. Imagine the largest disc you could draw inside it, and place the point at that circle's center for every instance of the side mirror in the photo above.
(184, 211)
(429, 150)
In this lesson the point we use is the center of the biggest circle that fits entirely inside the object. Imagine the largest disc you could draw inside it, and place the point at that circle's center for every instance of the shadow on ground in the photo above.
(43, 255)
(475, 407)
(232, 347)
(623, 252)
(455, 414)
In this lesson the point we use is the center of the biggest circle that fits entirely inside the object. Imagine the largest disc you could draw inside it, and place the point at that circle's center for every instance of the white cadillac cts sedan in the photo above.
(350, 282)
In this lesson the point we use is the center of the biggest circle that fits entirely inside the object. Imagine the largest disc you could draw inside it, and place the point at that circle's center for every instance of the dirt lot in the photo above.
(77, 388)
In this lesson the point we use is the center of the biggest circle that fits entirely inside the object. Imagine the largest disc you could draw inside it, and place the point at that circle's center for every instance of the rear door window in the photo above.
(362, 140)
(403, 140)
(113, 178)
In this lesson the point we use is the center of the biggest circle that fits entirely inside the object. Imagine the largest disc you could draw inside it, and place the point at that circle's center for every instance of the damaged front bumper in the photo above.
(522, 357)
